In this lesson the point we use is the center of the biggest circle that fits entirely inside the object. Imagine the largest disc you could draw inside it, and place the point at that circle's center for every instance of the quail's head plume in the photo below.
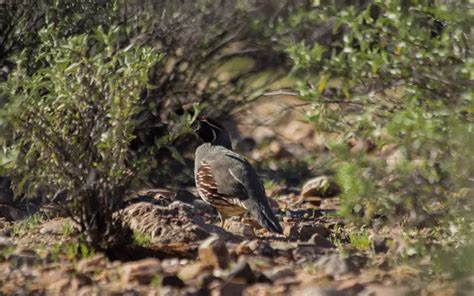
(226, 180)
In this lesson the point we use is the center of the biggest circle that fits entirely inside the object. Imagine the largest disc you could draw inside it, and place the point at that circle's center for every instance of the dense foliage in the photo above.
(400, 80)
(73, 122)
(99, 95)
(399, 76)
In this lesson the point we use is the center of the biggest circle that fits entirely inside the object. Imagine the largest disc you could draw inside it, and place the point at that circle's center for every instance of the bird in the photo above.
(226, 180)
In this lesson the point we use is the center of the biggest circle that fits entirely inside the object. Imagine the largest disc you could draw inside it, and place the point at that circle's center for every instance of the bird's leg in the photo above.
(222, 217)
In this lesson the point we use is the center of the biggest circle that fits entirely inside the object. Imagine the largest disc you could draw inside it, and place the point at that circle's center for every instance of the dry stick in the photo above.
(294, 94)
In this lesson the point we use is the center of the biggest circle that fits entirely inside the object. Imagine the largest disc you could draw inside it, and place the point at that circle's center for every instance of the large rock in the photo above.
(213, 252)
(175, 222)
(170, 218)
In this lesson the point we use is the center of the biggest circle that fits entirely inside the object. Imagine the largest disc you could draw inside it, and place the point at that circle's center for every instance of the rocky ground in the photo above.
(178, 249)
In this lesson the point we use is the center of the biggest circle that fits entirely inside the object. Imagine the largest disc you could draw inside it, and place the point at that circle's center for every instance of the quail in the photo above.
(226, 181)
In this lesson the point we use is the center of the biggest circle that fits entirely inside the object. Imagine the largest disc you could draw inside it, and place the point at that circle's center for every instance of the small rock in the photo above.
(359, 260)
(351, 286)
(385, 290)
(265, 250)
(279, 273)
(358, 146)
(387, 150)
(24, 257)
(305, 253)
(299, 214)
(319, 241)
(237, 227)
(5, 243)
(322, 186)
(190, 271)
(92, 264)
(307, 231)
(164, 291)
(207, 279)
(335, 265)
(290, 231)
(172, 281)
(201, 206)
(261, 278)
(59, 226)
(313, 290)
(254, 245)
(242, 271)
(229, 289)
(57, 281)
(380, 244)
(243, 249)
(171, 265)
(5, 232)
(142, 271)
(312, 201)
(263, 289)
(393, 157)
(80, 280)
(213, 252)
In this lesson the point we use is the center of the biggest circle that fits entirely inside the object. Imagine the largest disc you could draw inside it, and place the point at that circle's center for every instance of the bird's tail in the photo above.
(266, 217)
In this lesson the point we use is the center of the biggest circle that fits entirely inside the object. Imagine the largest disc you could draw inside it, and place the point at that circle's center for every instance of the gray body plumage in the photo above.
(237, 181)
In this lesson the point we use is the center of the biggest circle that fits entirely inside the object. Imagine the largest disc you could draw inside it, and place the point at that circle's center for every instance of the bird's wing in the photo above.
(233, 175)
(240, 180)
(208, 187)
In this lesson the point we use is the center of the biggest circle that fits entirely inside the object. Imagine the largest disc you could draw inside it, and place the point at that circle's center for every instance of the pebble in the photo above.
(142, 271)
(213, 252)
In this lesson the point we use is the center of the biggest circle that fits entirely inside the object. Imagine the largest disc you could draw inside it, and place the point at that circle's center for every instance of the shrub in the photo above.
(21, 20)
(401, 74)
(73, 123)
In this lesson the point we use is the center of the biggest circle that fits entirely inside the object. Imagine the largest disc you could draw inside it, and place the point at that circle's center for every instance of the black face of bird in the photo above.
(208, 129)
